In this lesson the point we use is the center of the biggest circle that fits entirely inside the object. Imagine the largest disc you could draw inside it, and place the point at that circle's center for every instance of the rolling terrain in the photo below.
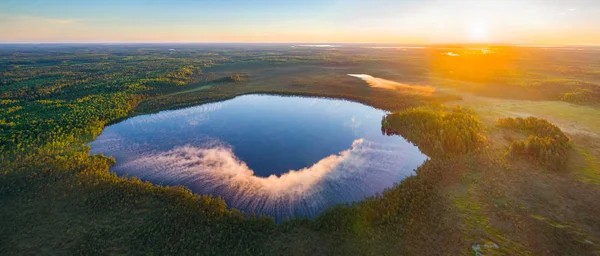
(478, 193)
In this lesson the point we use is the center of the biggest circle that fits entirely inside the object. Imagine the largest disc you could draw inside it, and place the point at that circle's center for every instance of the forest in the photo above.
(58, 199)
(437, 130)
(547, 145)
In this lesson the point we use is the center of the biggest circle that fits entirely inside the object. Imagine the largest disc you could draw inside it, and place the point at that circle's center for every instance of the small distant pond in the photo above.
(283, 156)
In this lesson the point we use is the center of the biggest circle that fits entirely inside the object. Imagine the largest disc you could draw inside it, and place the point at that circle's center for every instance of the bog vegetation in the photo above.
(57, 199)
(546, 145)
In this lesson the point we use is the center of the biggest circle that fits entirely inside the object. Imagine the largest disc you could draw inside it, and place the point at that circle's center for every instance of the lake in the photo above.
(282, 156)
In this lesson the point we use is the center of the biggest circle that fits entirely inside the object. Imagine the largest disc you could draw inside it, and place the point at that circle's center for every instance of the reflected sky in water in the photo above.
(284, 156)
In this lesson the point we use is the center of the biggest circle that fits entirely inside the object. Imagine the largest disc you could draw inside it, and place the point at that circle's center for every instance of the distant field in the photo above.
(476, 191)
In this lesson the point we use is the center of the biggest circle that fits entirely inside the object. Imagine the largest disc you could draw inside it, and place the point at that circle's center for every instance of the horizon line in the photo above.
(300, 43)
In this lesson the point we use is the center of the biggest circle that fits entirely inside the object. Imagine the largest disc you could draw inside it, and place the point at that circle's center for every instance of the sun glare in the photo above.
(478, 32)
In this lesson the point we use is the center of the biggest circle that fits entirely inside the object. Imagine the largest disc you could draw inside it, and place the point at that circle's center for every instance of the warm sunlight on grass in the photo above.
(474, 64)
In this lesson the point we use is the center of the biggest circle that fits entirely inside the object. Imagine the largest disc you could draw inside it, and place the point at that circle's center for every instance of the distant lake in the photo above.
(283, 156)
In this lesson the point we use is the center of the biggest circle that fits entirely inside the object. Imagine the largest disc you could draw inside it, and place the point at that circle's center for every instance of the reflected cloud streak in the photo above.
(214, 169)
(282, 156)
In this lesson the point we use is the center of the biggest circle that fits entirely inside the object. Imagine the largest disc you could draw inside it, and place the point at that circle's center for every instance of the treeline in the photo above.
(582, 96)
(101, 213)
(436, 130)
(235, 78)
(546, 145)
(49, 110)
(47, 107)
(54, 124)
(53, 101)
(52, 105)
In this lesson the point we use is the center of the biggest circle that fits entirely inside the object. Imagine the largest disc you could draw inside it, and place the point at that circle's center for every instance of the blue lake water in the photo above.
(283, 156)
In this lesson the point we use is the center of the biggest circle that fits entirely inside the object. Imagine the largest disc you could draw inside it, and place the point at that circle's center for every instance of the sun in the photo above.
(478, 32)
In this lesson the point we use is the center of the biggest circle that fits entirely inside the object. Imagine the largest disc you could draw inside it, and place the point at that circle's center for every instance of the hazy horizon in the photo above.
(509, 22)
(312, 44)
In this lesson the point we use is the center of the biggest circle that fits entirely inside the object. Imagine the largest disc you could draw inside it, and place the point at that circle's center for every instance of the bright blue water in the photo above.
(284, 156)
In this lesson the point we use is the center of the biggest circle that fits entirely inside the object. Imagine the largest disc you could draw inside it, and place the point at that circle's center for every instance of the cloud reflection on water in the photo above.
(215, 169)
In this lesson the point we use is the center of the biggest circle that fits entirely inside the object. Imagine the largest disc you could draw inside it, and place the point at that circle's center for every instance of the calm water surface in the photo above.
(284, 156)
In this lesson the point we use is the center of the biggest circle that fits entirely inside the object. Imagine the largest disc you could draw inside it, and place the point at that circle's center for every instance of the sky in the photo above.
(322, 21)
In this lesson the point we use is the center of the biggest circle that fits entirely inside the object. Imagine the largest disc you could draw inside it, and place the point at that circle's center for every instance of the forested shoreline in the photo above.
(58, 199)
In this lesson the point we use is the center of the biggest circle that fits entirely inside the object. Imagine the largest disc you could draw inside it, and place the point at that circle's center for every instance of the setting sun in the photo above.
(352, 21)
(299, 127)
(478, 32)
